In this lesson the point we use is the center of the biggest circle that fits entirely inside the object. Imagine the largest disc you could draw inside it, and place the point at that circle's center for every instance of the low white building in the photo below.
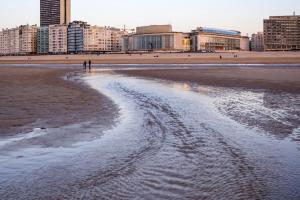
(58, 39)
(245, 43)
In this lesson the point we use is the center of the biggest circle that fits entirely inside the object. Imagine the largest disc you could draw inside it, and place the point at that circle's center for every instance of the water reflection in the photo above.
(172, 141)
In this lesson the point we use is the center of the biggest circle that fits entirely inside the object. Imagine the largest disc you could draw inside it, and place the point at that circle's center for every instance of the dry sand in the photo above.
(160, 58)
(285, 79)
(34, 97)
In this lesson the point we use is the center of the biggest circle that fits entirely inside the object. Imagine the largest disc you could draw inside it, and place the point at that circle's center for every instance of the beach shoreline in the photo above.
(161, 58)
(39, 97)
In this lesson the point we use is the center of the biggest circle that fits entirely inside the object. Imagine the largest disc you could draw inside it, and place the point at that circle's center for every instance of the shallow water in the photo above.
(171, 141)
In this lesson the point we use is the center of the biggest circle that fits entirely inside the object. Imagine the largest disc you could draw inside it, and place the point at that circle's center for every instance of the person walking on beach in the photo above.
(90, 64)
(84, 64)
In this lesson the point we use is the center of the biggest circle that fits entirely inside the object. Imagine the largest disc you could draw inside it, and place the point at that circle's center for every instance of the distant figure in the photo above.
(84, 64)
(221, 57)
(90, 64)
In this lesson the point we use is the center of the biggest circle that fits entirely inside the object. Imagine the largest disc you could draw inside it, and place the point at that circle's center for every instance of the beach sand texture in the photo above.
(39, 97)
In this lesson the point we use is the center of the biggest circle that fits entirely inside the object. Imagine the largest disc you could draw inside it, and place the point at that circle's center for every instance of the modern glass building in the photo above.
(156, 38)
(43, 40)
(212, 39)
(76, 36)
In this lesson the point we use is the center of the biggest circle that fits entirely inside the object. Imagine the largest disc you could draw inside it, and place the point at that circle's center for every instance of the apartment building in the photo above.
(282, 33)
(97, 39)
(43, 40)
(58, 39)
(156, 38)
(257, 42)
(55, 12)
(116, 39)
(28, 39)
(76, 36)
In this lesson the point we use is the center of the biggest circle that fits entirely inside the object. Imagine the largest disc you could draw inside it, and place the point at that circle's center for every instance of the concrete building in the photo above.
(58, 39)
(245, 43)
(257, 42)
(212, 39)
(156, 38)
(76, 36)
(28, 39)
(97, 39)
(117, 39)
(282, 33)
(43, 40)
(10, 41)
(53, 12)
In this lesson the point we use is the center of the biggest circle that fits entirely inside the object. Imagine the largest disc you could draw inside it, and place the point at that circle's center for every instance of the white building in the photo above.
(156, 38)
(245, 43)
(28, 39)
(20, 40)
(257, 42)
(116, 39)
(97, 39)
(58, 39)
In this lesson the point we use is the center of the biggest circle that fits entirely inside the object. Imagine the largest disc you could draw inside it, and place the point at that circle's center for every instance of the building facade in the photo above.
(28, 39)
(43, 40)
(257, 42)
(155, 38)
(212, 39)
(117, 39)
(58, 39)
(245, 43)
(10, 41)
(55, 12)
(282, 33)
(97, 39)
(76, 36)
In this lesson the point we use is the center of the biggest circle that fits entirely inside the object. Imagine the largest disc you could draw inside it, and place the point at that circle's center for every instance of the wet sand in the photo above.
(161, 58)
(284, 79)
(41, 98)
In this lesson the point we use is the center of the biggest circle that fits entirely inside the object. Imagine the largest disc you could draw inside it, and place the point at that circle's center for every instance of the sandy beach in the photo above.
(161, 58)
(153, 135)
(40, 98)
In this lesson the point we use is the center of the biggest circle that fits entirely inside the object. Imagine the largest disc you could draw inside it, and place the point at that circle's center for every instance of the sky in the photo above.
(184, 15)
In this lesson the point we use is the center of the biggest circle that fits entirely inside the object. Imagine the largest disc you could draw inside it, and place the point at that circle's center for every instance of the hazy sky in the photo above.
(184, 15)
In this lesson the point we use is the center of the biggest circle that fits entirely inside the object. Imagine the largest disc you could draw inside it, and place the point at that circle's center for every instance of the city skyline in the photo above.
(236, 15)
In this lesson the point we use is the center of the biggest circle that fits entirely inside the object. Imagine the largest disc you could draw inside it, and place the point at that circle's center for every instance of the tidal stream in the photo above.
(172, 140)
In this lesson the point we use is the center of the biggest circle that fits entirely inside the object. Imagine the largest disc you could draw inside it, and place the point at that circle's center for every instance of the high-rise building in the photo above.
(257, 42)
(75, 36)
(282, 33)
(58, 39)
(43, 40)
(53, 12)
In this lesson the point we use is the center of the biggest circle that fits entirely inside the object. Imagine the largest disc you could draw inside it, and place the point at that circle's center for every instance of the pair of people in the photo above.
(85, 64)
